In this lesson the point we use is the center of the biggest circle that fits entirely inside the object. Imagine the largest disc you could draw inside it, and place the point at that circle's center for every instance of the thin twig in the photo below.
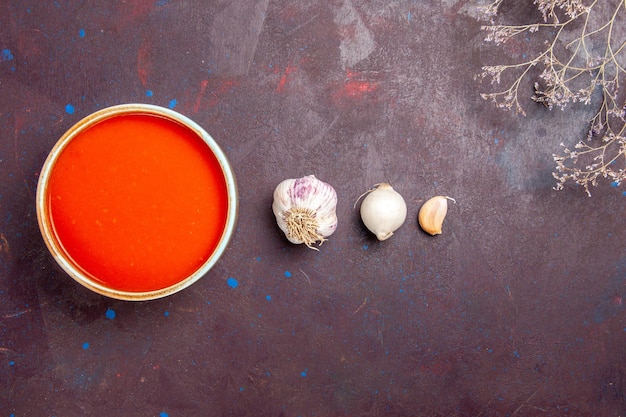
(525, 402)
(571, 72)
(306, 276)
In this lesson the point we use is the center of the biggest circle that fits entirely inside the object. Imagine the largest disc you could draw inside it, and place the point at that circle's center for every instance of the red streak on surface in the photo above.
(219, 88)
(203, 85)
(355, 87)
(353, 74)
(130, 11)
(144, 64)
(285, 77)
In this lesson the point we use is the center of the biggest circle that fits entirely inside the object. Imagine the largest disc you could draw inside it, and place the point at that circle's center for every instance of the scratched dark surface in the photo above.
(515, 310)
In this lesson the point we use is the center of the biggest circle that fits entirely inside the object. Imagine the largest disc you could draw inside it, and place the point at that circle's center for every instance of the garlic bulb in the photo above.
(383, 211)
(432, 214)
(305, 210)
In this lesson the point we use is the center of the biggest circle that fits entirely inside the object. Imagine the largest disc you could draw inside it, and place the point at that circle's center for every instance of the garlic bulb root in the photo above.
(305, 210)
(383, 211)
(302, 226)
(433, 213)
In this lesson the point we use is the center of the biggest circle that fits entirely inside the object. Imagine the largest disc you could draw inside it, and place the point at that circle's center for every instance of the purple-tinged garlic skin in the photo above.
(305, 210)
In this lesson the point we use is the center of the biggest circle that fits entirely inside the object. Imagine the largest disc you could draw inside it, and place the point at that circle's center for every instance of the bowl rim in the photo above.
(47, 228)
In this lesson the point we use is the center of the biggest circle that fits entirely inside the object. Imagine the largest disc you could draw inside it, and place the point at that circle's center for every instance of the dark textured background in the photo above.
(516, 310)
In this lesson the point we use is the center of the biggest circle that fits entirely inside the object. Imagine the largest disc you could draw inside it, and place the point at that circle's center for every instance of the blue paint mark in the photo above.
(624, 193)
(303, 373)
(69, 109)
(287, 274)
(258, 258)
(11, 363)
(615, 184)
(163, 414)
(232, 282)
(149, 93)
(365, 247)
(268, 297)
(162, 2)
(6, 55)
(241, 389)
(409, 16)
(166, 314)
(516, 354)
(173, 102)
(86, 345)
(81, 33)
(110, 314)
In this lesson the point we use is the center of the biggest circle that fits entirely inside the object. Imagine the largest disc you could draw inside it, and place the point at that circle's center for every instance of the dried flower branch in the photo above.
(584, 52)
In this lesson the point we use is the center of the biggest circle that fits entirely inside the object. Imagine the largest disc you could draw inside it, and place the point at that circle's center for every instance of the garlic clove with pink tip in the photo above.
(433, 213)
(305, 210)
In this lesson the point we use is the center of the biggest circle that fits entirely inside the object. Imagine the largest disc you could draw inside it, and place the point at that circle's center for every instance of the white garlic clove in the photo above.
(305, 210)
(432, 214)
(383, 211)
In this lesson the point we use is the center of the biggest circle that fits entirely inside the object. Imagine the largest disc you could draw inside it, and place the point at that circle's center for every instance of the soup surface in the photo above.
(138, 202)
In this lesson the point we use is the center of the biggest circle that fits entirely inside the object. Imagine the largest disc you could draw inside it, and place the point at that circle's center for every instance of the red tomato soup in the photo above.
(138, 202)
